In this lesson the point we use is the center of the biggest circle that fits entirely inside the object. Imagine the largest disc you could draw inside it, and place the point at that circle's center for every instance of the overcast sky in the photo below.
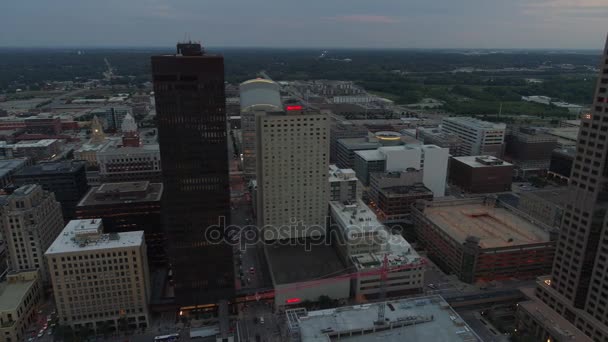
(569, 24)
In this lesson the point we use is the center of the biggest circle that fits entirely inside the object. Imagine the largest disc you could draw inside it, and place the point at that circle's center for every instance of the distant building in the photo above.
(394, 193)
(342, 130)
(126, 207)
(434, 136)
(40, 125)
(257, 97)
(547, 206)
(31, 220)
(20, 296)
(66, 179)
(479, 240)
(37, 150)
(418, 319)
(481, 174)
(8, 167)
(342, 184)
(561, 162)
(345, 150)
(130, 133)
(112, 117)
(84, 252)
(478, 137)
(431, 159)
(129, 164)
(293, 189)
(530, 150)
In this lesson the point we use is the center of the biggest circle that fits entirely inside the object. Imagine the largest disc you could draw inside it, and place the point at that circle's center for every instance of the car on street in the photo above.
(261, 320)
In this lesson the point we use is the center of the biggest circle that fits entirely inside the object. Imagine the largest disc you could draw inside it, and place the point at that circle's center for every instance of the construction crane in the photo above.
(383, 279)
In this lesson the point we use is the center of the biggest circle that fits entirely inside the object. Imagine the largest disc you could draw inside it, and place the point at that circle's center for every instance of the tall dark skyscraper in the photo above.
(571, 304)
(191, 117)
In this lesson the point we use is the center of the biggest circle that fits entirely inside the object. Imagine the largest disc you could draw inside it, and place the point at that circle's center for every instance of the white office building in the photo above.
(364, 243)
(292, 164)
(257, 97)
(478, 137)
(431, 159)
(99, 280)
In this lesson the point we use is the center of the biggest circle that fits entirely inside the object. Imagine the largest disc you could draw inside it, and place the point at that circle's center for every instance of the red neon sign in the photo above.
(292, 300)
(295, 107)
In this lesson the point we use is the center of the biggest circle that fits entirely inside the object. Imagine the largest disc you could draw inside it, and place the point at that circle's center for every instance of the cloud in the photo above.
(364, 18)
(570, 8)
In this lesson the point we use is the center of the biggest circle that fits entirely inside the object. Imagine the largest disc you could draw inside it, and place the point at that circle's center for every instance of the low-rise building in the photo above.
(477, 239)
(99, 280)
(8, 167)
(434, 136)
(478, 137)
(418, 319)
(431, 159)
(367, 246)
(37, 150)
(130, 164)
(342, 184)
(530, 150)
(20, 297)
(126, 207)
(481, 174)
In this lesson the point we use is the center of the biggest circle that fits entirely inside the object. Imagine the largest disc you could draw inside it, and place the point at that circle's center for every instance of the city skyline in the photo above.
(387, 24)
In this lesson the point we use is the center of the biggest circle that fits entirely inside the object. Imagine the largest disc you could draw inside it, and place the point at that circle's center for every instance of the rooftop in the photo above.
(401, 190)
(15, 288)
(415, 319)
(495, 227)
(476, 123)
(482, 161)
(87, 235)
(9, 165)
(58, 167)
(359, 143)
(371, 155)
(123, 193)
(338, 175)
(355, 217)
(315, 262)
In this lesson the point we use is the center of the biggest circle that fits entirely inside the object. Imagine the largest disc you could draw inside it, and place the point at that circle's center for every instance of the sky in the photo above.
(559, 24)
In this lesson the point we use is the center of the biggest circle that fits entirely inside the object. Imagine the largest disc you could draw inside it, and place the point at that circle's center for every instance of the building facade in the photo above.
(191, 116)
(20, 298)
(577, 288)
(530, 150)
(130, 164)
(342, 129)
(126, 207)
(481, 174)
(67, 179)
(257, 96)
(478, 137)
(292, 164)
(31, 220)
(99, 280)
(342, 184)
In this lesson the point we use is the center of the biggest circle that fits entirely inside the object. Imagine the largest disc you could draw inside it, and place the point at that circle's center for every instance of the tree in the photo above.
(325, 302)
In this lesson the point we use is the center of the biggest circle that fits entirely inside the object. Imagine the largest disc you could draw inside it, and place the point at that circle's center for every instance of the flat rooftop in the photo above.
(337, 175)
(423, 319)
(371, 155)
(48, 168)
(122, 193)
(12, 291)
(397, 250)
(87, 235)
(482, 161)
(292, 264)
(494, 226)
(476, 123)
(9, 165)
(359, 143)
(406, 190)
